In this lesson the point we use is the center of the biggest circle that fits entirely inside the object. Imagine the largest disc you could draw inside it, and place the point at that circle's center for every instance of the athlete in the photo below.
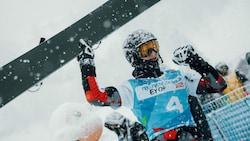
(162, 100)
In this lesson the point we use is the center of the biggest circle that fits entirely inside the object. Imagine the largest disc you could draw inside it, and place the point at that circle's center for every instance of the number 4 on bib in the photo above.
(174, 104)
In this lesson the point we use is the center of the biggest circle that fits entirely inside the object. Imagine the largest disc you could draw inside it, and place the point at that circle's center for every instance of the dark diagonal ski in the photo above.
(33, 66)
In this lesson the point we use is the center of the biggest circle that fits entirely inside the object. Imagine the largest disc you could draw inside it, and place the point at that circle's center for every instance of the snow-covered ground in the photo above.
(219, 30)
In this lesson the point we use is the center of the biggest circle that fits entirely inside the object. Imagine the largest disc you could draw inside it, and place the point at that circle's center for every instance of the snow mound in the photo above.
(72, 121)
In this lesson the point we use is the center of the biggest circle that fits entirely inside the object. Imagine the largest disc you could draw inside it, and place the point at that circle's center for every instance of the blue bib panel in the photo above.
(161, 104)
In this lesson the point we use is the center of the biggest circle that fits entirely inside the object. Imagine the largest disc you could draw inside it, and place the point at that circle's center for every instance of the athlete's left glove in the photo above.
(86, 59)
(184, 55)
(187, 56)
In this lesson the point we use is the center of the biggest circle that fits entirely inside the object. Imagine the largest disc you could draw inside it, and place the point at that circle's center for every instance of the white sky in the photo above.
(219, 30)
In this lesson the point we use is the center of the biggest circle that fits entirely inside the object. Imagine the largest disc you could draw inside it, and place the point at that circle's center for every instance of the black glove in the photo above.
(117, 123)
(241, 77)
(125, 129)
(187, 56)
(139, 132)
(184, 55)
(86, 59)
(87, 51)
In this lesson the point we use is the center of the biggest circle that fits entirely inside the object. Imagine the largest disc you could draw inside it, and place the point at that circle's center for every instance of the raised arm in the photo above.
(109, 96)
(211, 81)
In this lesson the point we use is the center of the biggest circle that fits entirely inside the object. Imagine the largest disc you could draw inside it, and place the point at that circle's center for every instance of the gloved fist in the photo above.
(87, 51)
(184, 55)
(86, 56)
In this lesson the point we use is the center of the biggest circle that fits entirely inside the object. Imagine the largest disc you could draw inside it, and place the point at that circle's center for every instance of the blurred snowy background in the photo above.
(219, 30)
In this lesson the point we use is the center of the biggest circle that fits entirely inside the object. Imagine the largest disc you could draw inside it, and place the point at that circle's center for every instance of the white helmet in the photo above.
(133, 41)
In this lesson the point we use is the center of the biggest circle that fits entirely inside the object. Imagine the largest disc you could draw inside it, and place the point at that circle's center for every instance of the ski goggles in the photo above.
(146, 49)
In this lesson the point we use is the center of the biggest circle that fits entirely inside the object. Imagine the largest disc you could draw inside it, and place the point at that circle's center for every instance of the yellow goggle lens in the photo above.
(146, 49)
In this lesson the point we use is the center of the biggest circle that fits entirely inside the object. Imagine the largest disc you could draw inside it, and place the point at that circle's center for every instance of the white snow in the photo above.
(219, 30)
(73, 120)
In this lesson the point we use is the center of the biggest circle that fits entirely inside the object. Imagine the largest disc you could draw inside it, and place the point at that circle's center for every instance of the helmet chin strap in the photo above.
(137, 73)
(148, 69)
(160, 59)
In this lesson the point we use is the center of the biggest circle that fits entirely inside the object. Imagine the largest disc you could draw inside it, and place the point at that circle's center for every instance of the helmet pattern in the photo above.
(133, 41)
